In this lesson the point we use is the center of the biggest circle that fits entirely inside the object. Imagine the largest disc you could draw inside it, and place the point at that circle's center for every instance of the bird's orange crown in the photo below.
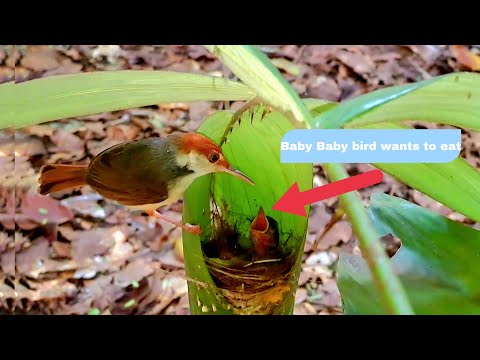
(203, 145)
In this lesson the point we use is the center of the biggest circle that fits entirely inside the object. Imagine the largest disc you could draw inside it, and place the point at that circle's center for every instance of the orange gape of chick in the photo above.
(144, 174)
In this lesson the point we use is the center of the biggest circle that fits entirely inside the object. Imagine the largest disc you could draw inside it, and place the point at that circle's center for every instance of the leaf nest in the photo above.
(251, 284)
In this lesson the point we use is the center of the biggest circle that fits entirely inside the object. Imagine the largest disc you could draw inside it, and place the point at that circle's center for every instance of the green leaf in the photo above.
(256, 70)
(452, 99)
(66, 96)
(201, 288)
(438, 262)
(318, 106)
(364, 104)
(455, 184)
(253, 148)
(94, 311)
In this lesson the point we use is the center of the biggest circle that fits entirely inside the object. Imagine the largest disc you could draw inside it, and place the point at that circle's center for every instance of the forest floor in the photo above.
(95, 257)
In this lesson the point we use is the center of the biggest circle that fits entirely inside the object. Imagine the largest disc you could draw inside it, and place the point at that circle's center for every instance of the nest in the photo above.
(255, 280)
(255, 287)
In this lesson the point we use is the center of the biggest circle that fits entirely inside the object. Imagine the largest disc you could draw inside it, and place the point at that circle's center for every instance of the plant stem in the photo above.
(256, 71)
(392, 294)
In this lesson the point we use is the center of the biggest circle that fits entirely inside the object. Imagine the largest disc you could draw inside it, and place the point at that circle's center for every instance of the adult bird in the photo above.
(144, 174)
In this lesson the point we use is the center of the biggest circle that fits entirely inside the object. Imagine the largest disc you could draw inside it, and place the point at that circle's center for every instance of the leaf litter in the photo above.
(77, 253)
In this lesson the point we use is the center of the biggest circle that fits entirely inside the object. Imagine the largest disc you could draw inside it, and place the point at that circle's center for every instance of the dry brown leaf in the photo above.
(97, 128)
(199, 111)
(163, 291)
(168, 259)
(319, 54)
(40, 58)
(95, 147)
(13, 57)
(300, 310)
(94, 242)
(67, 144)
(28, 146)
(20, 240)
(7, 291)
(5, 241)
(31, 258)
(23, 74)
(360, 63)
(44, 209)
(39, 130)
(324, 88)
(62, 249)
(7, 262)
(198, 51)
(475, 136)
(98, 117)
(388, 56)
(128, 304)
(23, 167)
(46, 289)
(188, 65)
(340, 232)
(182, 307)
(101, 292)
(465, 57)
(386, 73)
(86, 205)
(6, 74)
(133, 272)
(394, 65)
(7, 215)
(66, 66)
(122, 132)
(427, 202)
(319, 217)
(300, 296)
(67, 231)
(429, 53)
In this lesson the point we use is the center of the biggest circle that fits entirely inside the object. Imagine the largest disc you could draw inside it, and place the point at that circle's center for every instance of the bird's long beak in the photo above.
(232, 171)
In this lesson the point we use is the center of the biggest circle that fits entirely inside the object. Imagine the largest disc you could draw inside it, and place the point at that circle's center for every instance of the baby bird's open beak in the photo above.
(232, 171)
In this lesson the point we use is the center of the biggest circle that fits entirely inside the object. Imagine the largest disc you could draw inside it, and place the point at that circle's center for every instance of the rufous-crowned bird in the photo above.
(144, 174)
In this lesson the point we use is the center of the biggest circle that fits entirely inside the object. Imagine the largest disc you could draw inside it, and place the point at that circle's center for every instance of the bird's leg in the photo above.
(236, 117)
(192, 229)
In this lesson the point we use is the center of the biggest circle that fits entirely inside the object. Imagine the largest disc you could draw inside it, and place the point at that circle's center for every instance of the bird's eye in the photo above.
(213, 157)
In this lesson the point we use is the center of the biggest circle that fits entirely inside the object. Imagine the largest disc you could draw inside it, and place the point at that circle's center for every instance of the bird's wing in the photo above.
(133, 173)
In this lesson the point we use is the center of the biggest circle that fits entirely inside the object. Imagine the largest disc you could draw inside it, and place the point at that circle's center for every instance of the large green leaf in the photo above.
(454, 100)
(351, 109)
(255, 69)
(449, 99)
(455, 184)
(202, 292)
(253, 148)
(65, 96)
(438, 262)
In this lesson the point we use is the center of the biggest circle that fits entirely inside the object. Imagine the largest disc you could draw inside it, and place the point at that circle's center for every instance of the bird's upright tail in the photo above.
(57, 177)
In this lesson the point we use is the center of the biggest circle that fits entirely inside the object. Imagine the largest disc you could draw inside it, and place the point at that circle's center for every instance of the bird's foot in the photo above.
(192, 229)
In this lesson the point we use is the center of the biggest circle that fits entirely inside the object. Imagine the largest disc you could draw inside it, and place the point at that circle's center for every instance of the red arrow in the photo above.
(294, 201)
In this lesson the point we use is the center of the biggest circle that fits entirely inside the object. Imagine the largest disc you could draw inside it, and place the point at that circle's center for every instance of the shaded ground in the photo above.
(82, 254)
